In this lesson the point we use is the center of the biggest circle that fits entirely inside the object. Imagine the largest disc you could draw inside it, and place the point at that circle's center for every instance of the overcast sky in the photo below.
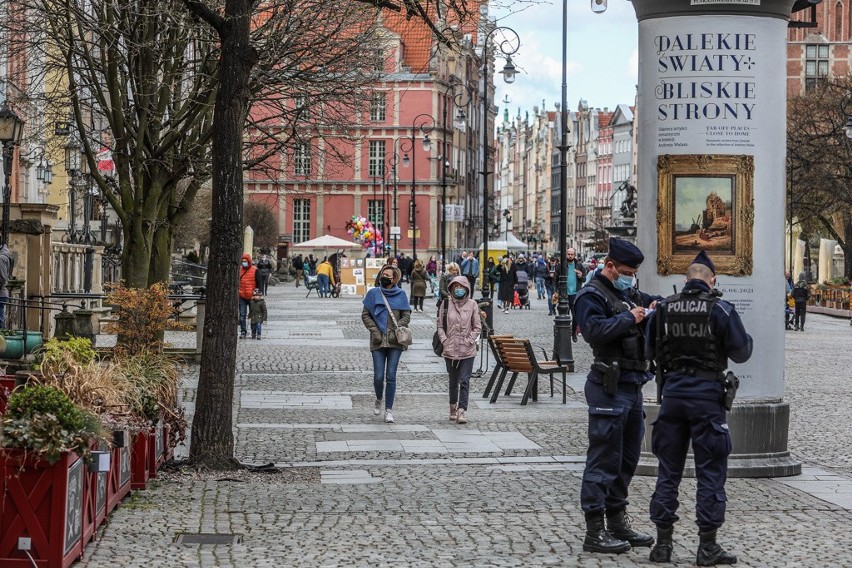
(602, 56)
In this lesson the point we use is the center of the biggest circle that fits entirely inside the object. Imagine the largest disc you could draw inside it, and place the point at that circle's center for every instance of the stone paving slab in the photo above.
(363, 506)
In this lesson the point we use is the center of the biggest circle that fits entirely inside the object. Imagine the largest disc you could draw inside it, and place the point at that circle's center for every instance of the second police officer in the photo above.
(610, 313)
(691, 337)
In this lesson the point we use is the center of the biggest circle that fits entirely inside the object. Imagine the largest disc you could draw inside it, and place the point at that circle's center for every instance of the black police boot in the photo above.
(710, 553)
(662, 551)
(598, 540)
(618, 525)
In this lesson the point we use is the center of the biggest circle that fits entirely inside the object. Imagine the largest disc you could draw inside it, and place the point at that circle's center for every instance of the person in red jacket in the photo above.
(248, 282)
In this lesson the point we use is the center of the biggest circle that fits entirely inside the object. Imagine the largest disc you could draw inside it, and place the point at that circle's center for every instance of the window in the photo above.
(378, 102)
(379, 60)
(838, 22)
(816, 64)
(302, 159)
(376, 214)
(377, 158)
(301, 220)
(301, 105)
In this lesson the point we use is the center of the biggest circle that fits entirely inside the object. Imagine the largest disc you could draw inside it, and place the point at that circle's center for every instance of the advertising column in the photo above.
(711, 143)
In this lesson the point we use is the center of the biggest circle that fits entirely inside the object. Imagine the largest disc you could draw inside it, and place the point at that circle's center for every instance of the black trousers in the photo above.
(799, 318)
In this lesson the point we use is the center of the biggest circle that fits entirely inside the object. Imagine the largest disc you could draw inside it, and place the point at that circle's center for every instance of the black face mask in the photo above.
(385, 281)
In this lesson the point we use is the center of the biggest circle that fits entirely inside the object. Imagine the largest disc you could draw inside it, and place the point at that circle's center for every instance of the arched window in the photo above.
(838, 22)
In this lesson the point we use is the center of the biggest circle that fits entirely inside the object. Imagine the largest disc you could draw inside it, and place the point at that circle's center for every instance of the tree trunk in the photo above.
(137, 254)
(212, 442)
(161, 254)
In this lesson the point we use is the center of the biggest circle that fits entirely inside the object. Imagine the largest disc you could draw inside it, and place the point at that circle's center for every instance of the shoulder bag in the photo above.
(437, 347)
(403, 334)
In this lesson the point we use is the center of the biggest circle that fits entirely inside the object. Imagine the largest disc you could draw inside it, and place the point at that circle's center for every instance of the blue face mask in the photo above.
(624, 282)
(460, 293)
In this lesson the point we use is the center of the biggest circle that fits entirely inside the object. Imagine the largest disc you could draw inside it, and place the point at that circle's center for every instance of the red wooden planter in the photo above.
(157, 448)
(7, 383)
(118, 479)
(44, 502)
(140, 460)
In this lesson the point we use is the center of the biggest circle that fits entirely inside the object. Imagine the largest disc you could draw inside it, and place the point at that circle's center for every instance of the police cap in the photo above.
(704, 259)
(624, 252)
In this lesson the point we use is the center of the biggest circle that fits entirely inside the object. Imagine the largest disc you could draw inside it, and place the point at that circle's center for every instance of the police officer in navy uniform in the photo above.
(610, 312)
(691, 336)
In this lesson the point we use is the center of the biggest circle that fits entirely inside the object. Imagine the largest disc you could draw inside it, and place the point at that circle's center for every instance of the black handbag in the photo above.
(437, 347)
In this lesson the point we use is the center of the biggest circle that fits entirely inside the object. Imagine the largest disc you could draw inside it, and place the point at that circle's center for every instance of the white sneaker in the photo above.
(378, 408)
(389, 416)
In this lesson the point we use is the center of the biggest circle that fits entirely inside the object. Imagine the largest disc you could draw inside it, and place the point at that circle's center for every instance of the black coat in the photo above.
(507, 283)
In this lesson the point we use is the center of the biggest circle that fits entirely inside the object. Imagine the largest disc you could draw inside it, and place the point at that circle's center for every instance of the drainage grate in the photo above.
(208, 538)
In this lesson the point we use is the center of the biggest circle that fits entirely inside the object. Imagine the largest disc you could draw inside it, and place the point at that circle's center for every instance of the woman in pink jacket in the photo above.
(459, 338)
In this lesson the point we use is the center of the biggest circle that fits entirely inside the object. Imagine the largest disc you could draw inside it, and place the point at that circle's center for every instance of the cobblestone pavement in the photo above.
(500, 491)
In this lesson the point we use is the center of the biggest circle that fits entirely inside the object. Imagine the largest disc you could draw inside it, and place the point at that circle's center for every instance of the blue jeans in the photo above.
(385, 362)
(244, 306)
(323, 282)
(255, 329)
(539, 286)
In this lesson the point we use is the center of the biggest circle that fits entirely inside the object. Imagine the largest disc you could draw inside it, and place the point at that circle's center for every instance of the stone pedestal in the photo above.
(711, 169)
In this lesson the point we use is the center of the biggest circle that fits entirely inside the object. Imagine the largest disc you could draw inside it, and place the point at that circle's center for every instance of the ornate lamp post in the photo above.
(75, 167)
(460, 100)
(508, 46)
(11, 131)
(426, 124)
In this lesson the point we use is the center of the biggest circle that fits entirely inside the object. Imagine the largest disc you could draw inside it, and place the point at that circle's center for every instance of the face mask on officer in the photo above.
(623, 281)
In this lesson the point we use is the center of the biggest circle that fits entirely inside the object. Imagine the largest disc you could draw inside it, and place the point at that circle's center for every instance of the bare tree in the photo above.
(818, 159)
(262, 222)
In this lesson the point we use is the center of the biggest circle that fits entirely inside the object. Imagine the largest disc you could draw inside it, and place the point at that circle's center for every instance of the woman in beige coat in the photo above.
(459, 339)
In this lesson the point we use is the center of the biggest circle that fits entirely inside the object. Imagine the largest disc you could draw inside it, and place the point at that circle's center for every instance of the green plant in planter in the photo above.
(56, 356)
(43, 419)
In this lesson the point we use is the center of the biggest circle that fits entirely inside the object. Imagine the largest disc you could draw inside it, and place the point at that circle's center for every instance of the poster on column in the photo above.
(712, 146)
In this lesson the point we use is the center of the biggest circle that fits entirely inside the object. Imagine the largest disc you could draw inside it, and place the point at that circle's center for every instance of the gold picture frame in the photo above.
(705, 202)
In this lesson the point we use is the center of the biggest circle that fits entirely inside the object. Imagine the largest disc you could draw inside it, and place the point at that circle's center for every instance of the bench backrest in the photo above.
(514, 354)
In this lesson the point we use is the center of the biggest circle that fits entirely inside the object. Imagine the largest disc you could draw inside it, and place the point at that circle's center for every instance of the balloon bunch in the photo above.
(364, 232)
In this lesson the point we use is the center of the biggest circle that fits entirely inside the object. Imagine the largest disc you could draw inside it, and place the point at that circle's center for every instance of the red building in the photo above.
(603, 193)
(318, 186)
(820, 49)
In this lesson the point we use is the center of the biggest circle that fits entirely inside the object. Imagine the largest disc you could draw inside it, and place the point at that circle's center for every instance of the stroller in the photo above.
(522, 288)
(789, 312)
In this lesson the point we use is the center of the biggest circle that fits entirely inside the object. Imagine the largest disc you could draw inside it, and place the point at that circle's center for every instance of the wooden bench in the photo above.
(517, 356)
(498, 361)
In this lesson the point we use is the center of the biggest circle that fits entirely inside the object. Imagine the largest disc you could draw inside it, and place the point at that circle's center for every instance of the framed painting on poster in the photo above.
(705, 202)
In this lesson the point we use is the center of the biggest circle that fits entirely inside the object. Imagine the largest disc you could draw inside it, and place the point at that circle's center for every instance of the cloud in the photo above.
(598, 47)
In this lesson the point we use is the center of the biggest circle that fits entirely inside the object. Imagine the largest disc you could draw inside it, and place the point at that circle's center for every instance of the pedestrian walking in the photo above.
(540, 272)
(551, 281)
(265, 268)
(453, 270)
(800, 294)
(459, 327)
(491, 276)
(574, 272)
(247, 285)
(470, 269)
(325, 278)
(418, 279)
(298, 265)
(432, 266)
(257, 313)
(312, 265)
(691, 336)
(610, 312)
(506, 289)
(384, 347)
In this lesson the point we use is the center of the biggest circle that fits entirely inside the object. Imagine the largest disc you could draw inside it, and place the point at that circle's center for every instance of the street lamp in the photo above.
(394, 162)
(11, 131)
(563, 323)
(426, 124)
(459, 101)
(508, 46)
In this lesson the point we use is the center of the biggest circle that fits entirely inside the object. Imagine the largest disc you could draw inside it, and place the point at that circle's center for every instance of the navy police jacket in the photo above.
(599, 324)
(731, 339)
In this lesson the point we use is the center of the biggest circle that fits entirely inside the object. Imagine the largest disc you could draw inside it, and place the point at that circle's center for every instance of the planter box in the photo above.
(140, 460)
(159, 448)
(118, 479)
(7, 383)
(44, 502)
(94, 500)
